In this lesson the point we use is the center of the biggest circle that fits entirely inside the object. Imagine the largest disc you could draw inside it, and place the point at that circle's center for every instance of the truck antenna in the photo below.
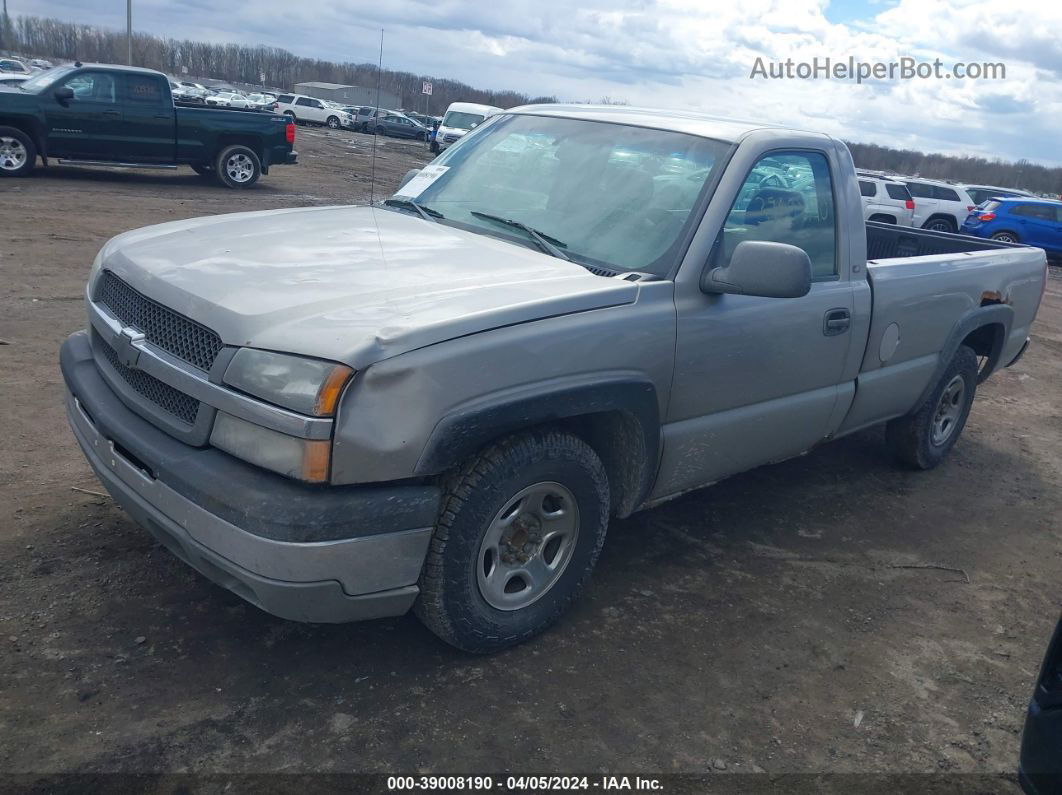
(375, 126)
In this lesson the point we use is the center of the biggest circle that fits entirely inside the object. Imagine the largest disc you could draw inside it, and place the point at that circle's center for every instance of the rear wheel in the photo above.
(238, 167)
(18, 155)
(1005, 237)
(520, 530)
(921, 439)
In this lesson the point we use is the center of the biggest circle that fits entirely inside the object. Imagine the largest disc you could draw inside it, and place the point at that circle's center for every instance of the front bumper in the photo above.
(321, 554)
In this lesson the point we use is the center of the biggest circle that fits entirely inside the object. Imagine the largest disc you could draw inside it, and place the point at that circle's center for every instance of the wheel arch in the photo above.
(619, 418)
(984, 329)
(32, 128)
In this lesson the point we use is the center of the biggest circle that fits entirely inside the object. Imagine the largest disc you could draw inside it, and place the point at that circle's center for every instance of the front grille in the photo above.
(174, 333)
(182, 406)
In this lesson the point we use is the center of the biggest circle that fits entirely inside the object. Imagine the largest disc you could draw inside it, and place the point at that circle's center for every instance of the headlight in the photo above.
(305, 459)
(309, 386)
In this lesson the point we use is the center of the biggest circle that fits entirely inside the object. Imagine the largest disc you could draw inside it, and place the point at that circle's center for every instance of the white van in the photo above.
(460, 118)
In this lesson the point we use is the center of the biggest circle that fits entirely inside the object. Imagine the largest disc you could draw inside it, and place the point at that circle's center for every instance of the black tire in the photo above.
(451, 603)
(238, 166)
(912, 439)
(333, 122)
(1006, 237)
(203, 169)
(18, 153)
(940, 225)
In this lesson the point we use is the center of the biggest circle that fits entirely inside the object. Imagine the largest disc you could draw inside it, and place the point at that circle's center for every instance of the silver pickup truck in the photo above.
(574, 313)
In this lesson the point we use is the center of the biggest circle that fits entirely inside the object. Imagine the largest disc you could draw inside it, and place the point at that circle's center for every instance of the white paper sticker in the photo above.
(419, 183)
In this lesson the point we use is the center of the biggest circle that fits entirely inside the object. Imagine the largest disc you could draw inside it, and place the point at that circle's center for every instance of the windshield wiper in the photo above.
(550, 245)
(427, 213)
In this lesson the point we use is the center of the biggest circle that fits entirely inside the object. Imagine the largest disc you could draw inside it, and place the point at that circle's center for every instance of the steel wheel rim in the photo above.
(949, 409)
(527, 546)
(239, 168)
(13, 153)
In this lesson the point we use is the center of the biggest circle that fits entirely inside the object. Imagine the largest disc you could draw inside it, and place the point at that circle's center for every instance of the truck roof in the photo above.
(117, 67)
(702, 124)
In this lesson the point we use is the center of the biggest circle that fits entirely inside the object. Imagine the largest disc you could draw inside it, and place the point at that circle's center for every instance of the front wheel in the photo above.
(940, 225)
(238, 167)
(921, 439)
(333, 123)
(520, 530)
(18, 155)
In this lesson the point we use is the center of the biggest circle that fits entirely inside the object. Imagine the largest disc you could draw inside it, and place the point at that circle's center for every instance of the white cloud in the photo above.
(682, 53)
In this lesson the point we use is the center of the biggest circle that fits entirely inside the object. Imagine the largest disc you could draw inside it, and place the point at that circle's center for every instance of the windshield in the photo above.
(41, 81)
(462, 121)
(612, 194)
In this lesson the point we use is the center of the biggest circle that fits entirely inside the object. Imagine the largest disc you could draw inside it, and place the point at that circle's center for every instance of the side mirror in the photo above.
(64, 94)
(763, 268)
(409, 175)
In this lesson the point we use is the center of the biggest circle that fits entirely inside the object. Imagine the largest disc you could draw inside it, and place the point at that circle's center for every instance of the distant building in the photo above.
(348, 95)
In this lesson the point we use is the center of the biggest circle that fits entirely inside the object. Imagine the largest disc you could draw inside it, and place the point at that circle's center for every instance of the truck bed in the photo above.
(889, 241)
(925, 287)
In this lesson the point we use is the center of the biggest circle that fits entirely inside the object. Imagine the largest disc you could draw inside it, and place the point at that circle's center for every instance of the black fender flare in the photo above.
(990, 314)
(473, 425)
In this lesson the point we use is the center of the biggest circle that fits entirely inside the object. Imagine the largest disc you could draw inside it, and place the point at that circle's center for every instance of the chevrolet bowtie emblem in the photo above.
(128, 353)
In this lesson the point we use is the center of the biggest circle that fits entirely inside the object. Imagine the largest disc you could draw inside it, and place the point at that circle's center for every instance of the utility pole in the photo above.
(128, 31)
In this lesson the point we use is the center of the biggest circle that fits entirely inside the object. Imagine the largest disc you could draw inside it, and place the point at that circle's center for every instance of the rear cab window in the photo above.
(143, 90)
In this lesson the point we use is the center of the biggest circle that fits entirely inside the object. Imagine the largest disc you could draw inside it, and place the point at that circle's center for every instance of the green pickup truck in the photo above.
(98, 114)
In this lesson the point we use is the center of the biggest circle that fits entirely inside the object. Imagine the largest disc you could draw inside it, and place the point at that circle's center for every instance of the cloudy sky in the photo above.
(681, 53)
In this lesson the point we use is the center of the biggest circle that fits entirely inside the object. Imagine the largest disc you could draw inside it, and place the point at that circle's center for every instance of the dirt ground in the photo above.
(765, 624)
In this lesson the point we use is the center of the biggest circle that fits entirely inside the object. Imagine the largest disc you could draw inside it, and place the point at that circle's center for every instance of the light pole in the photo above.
(128, 31)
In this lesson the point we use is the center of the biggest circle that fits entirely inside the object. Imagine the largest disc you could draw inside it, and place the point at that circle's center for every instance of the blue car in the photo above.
(1037, 222)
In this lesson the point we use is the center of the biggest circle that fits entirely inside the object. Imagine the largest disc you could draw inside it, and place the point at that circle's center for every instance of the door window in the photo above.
(304, 101)
(786, 198)
(866, 188)
(92, 87)
(1041, 212)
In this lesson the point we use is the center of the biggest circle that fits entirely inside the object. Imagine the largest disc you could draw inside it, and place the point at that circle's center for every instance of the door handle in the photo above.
(836, 322)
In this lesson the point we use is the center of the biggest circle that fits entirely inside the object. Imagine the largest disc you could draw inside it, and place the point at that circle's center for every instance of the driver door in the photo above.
(756, 379)
(88, 126)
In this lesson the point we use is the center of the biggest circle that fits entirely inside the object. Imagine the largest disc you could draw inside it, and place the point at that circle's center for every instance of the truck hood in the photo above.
(351, 284)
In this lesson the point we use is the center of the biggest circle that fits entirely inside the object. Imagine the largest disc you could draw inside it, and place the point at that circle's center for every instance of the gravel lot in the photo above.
(765, 624)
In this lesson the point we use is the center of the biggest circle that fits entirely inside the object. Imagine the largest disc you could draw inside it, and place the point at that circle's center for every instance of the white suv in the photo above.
(886, 200)
(310, 110)
(939, 206)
